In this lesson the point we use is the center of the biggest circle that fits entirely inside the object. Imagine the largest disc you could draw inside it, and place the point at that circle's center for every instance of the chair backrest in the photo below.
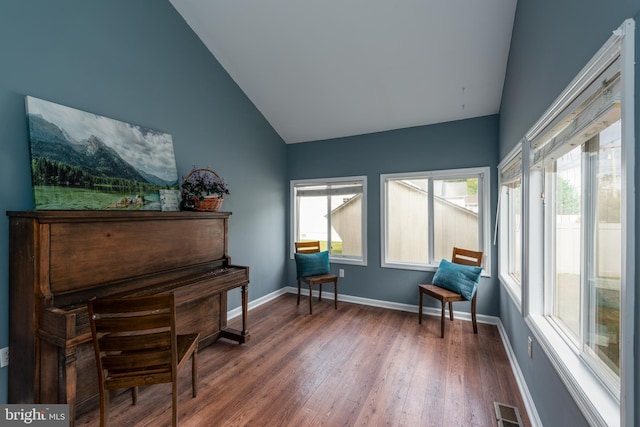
(466, 257)
(134, 340)
(311, 247)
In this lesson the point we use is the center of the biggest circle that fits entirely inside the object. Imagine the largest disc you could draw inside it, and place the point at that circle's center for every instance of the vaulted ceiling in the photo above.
(321, 69)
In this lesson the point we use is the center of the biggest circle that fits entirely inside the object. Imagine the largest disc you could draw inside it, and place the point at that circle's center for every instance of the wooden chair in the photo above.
(136, 344)
(312, 248)
(460, 256)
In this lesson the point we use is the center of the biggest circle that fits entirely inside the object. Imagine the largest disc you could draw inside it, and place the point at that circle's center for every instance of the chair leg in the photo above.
(104, 407)
(442, 321)
(420, 308)
(298, 292)
(310, 297)
(174, 406)
(450, 311)
(320, 292)
(335, 294)
(473, 315)
(194, 373)
(134, 395)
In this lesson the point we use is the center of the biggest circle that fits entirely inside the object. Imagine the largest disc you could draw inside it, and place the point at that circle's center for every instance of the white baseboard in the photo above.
(534, 418)
(256, 303)
(430, 311)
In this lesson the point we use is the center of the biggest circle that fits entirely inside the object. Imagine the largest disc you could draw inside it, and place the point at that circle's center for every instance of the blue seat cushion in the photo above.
(312, 264)
(462, 279)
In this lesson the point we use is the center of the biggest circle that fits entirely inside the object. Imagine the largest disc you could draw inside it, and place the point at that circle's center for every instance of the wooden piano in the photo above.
(60, 259)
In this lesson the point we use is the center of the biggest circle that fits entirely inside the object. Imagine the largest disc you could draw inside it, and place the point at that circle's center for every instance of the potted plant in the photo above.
(203, 189)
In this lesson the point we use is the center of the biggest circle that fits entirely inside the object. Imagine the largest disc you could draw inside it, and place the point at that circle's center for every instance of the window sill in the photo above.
(513, 289)
(594, 400)
(340, 260)
(416, 267)
(350, 261)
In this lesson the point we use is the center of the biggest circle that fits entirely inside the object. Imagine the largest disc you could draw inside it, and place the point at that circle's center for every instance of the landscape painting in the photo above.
(83, 161)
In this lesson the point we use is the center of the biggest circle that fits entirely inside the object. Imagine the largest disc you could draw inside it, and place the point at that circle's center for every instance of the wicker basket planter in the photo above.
(208, 204)
(211, 203)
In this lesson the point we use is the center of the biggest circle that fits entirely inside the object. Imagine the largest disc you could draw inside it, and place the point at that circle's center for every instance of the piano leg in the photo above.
(245, 309)
(240, 336)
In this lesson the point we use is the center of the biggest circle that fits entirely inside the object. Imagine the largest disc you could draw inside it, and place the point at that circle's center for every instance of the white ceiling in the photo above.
(320, 69)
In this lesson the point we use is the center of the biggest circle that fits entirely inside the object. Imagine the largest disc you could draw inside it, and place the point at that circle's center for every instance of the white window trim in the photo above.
(318, 181)
(514, 290)
(484, 233)
(594, 399)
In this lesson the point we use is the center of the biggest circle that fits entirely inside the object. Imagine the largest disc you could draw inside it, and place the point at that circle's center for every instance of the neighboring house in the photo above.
(448, 209)
(346, 221)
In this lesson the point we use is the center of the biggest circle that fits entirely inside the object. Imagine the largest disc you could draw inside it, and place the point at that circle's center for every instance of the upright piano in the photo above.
(60, 259)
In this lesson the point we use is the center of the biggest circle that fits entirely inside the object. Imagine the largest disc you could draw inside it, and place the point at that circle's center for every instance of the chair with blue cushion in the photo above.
(455, 281)
(312, 267)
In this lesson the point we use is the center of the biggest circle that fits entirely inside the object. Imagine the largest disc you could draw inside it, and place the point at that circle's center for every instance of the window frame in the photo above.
(298, 183)
(513, 286)
(484, 216)
(597, 402)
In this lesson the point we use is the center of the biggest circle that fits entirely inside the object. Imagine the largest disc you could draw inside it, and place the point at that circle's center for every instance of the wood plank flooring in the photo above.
(355, 366)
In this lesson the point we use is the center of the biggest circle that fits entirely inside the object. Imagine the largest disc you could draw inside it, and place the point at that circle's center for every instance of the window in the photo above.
(426, 214)
(580, 202)
(510, 223)
(332, 211)
(582, 205)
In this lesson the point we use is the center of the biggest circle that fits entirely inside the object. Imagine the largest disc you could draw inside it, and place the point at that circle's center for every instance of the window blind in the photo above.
(511, 171)
(329, 190)
(590, 112)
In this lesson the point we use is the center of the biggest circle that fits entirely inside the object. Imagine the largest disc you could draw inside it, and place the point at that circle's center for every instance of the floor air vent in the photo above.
(508, 416)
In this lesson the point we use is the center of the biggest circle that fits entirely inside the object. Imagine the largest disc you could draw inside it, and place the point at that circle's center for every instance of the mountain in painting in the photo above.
(149, 177)
(92, 155)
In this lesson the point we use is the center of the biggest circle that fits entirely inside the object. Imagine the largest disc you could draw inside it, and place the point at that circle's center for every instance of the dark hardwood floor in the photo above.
(355, 366)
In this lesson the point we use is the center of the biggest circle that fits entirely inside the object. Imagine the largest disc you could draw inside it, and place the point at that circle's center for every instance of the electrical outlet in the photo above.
(530, 348)
(341, 272)
(4, 357)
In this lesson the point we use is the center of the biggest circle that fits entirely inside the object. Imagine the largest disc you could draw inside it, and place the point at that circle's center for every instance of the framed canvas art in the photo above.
(170, 200)
(83, 161)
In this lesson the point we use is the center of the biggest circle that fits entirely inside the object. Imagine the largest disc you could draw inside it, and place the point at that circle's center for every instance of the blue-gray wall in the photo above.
(452, 145)
(139, 62)
(552, 40)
